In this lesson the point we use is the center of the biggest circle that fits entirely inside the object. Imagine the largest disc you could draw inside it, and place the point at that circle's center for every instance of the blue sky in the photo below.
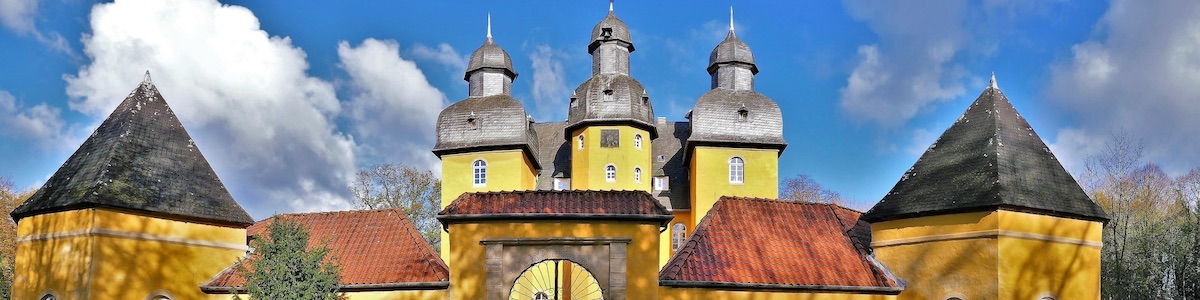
(287, 100)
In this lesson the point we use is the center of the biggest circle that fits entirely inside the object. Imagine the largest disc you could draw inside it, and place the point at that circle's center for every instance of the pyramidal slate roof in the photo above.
(140, 159)
(989, 159)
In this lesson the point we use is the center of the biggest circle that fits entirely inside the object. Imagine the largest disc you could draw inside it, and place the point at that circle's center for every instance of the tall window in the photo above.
(581, 141)
(678, 232)
(737, 170)
(610, 173)
(637, 175)
(480, 168)
(637, 141)
(662, 183)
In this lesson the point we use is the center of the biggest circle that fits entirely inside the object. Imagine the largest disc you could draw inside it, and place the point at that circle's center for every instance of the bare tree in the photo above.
(10, 198)
(803, 188)
(414, 191)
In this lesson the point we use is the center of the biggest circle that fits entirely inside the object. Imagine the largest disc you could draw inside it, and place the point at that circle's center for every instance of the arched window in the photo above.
(49, 297)
(637, 141)
(581, 141)
(480, 168)
(610, 173)
(637, 175)
(737, 170)
(678, 232)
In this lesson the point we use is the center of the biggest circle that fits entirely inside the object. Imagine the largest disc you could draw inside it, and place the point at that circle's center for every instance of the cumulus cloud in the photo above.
(550, 91)
(20, 16)
(912, 66)
(264, 123)
(41, 124)
(1138, 75)
(444, 54)
(394, 108)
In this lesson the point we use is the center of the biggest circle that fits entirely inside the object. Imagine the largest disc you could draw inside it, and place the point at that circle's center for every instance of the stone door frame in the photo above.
(605, 258)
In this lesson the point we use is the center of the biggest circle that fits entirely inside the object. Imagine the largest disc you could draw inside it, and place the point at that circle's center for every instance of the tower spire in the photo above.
(610, 5)
(730, 19)
(146, 78)
(992, 83)
(489, 26)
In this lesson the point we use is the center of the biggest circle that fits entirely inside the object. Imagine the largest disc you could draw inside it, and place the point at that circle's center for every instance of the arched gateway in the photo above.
(555, 245)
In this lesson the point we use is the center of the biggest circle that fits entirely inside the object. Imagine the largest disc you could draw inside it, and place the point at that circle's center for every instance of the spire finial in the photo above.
(731, 18)
(146, 79)
(489, 27)
(992, 83)
(610, 4)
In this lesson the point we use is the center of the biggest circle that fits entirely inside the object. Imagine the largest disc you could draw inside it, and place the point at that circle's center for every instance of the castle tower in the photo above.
(485, 141)
(610, 122)
(135, 213)
(989, 213)
(737, 133)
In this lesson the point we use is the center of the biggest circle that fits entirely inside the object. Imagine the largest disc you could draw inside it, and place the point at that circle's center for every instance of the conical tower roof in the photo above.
(989, 159)
(139, 159)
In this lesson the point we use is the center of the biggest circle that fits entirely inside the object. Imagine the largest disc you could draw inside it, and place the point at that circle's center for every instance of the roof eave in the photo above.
(870, 217)
(602, 122)
(163, 215)
(524, 147)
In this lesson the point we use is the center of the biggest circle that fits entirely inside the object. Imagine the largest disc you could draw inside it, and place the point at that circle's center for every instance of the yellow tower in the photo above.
(135, 213)
(485, 142)
(737, 133)
(989, 213)
(610, 122)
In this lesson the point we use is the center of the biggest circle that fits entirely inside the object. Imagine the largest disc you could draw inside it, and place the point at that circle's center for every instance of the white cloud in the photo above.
(394, 108)
(1138, 75)
(20, 17)
(912, 66)
(550, 91)
(264, 123)
(444, 54)
(40, 123)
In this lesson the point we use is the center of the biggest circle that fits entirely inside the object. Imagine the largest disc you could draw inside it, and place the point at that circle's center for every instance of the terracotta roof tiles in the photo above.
(632, 205)
(750, 243)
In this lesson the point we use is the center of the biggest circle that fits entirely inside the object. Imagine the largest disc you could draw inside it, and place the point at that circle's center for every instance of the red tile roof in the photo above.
(374, 248)
(745, 242)
(568, 204)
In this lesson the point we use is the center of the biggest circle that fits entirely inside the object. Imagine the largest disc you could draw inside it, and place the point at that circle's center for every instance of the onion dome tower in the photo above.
(737, 133)
(485, 141)
(610, 121)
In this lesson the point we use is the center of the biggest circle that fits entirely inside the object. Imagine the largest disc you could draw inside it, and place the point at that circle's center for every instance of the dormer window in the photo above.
(472, 122)
(743, 114)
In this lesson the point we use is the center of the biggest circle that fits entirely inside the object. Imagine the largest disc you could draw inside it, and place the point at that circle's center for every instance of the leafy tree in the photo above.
(803, 188)
(416, 192)
(10, 198)
(282, 265)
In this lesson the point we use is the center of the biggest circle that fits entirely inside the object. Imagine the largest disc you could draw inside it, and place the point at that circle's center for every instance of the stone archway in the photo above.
(556, 279)
(603, 258)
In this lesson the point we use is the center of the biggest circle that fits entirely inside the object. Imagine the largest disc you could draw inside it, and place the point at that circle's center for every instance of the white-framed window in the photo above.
(562, 184)
(580, 141)
(678, 233)
(662, 183)
(737, 170)
(637, 175)
(610, 173)
(637, 141)
(480, 172)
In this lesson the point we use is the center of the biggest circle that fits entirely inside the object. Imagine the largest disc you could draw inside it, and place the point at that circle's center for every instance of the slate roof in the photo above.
(731, 50)
(989, 158)
(620, 32)
(611, 98)
(499, 122)
(554, 154)
(140, 159)
(375, 249)
(490, 56)
(752, 243)
(716, 119)
(574, 204)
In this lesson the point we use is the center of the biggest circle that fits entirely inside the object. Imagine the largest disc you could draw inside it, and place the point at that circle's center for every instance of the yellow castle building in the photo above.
(613, 203)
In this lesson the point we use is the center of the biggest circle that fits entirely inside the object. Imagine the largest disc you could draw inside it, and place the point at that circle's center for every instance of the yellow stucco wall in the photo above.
(468, 268)
(669, 293)
(105, 254)
(681, 216)
(588, 164)
(710, 176)
(507, 170)
(992, 255)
